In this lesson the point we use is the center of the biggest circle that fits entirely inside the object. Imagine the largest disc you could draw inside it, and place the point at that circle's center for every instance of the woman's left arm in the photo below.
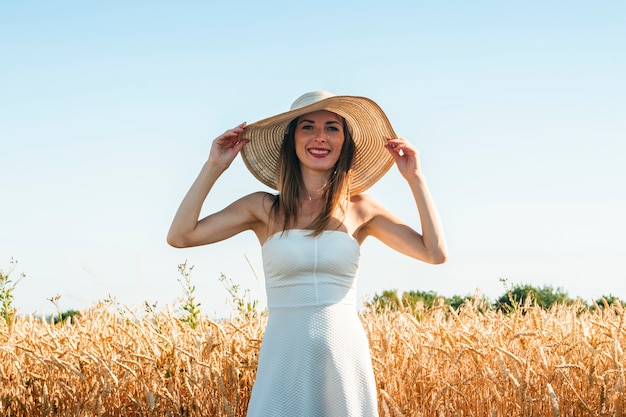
(429, 246)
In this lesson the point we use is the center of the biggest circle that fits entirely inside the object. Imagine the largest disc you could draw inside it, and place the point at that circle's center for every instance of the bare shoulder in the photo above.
(364, 210)
(365, 206)
(259, 204)
(382, 224)
(259, 197)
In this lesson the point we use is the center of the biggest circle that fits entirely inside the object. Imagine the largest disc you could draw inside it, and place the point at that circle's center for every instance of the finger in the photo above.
(240, 127)
(398, 142)
(240, 144)
(395, 152)
(404, 145)
(396, 147)
(237, 129)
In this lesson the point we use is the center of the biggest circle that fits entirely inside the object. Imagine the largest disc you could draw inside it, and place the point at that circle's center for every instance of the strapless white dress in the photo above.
(314, 359)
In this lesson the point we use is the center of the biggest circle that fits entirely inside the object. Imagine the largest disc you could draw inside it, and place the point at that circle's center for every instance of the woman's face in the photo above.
(319, 137)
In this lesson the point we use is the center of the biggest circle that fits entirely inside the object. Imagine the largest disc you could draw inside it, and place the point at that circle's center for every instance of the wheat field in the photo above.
(565, 361)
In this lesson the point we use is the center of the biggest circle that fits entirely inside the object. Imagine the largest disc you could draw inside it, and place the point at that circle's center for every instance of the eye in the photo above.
(306, 127)
(333, 128)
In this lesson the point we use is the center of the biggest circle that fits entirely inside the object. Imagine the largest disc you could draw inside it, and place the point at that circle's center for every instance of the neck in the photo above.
(314, 187)
(312, 195)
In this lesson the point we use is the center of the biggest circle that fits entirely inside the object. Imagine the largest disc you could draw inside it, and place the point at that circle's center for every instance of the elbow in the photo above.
(173, 242)
(438, 257)
(176, 240)
(184, 239)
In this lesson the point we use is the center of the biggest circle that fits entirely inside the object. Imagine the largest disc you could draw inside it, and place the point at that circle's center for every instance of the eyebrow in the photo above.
(312, 121)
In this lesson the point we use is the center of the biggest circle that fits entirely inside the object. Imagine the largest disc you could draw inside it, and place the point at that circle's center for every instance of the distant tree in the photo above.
(457, 301)
(607, 301)
(428, 298)
(389, 299)
(544, 297)
(64, 316)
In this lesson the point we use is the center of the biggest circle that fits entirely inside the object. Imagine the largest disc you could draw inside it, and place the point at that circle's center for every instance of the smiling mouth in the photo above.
(320, 152)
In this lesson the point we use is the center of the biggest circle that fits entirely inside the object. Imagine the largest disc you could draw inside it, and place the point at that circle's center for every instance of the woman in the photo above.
(320, 156)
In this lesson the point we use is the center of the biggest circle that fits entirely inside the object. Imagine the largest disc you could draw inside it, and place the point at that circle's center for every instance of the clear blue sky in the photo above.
(107, 112)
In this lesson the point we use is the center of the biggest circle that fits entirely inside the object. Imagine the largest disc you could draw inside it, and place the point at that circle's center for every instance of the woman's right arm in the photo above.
(186, 230)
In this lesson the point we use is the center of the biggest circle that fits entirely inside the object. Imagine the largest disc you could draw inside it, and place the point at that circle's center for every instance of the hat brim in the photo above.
(368, 125)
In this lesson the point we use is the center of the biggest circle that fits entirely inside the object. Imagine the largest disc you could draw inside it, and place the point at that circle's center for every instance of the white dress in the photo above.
(314, 359)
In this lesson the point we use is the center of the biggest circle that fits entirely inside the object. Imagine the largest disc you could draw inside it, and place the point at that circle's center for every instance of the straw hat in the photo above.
(366, 121)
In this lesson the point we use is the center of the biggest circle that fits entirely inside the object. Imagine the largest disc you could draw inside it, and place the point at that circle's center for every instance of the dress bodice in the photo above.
(303, 270)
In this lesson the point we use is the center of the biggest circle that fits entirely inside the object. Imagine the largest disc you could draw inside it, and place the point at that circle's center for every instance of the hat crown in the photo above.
(309, 98)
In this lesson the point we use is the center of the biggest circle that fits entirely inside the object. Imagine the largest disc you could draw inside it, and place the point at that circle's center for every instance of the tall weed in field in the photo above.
(242, 304)
(189, 303)
(7, 286)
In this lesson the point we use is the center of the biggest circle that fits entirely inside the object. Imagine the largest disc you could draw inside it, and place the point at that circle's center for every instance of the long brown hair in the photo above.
(291, 184)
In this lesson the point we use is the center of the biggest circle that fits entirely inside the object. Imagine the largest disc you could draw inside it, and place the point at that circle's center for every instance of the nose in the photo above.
(321, 135)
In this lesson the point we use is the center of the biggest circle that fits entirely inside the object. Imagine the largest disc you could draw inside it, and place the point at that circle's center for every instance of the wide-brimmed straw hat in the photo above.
(366, 121)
